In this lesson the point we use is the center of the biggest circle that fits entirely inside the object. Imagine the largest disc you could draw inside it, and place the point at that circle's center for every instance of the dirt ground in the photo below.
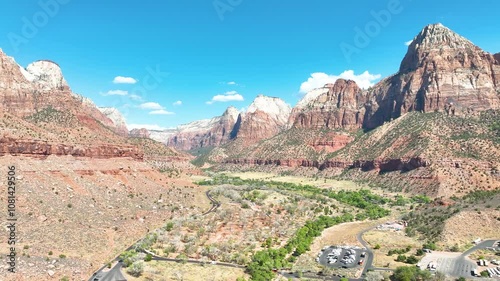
(159, 271)
(485, 224)
(389, 240)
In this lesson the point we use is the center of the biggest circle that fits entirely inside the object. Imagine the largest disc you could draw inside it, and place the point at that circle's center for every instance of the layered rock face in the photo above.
(205, 133)
(442, 71)
(339, 105)
(117, 119)
(265, 117)
(44, 149)
(139, 133)
(24, 92)
(388, 165)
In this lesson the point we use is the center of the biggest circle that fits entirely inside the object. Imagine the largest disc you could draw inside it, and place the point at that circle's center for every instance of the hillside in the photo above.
(430, 128)
(84, 190)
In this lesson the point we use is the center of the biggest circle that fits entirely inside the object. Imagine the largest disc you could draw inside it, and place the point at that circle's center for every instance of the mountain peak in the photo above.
(433, 38)
(46, 73)
(231, 112)
(275, 107)
(436, 36)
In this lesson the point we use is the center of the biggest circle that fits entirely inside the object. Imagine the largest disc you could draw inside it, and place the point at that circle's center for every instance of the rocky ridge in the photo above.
(442, 71)
(264, 118)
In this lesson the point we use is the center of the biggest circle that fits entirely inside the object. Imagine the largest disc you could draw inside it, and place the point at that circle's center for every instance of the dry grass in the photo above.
(321, 183)
(159, 271)
(457, 229)
(90, 210)
(389, 240)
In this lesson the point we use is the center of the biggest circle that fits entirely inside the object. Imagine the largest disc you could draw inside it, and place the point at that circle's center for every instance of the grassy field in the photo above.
(322, 183)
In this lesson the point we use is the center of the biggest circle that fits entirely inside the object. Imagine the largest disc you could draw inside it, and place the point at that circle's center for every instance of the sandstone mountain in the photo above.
(442, 71)
(117, 118)
(139, 133)
(440, 111)
(41, 87)
(205, 133)
(339, 105)
(264, 118)
(81, 181)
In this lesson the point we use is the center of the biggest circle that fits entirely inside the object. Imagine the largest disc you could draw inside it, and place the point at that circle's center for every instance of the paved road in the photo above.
(464, 267)
(115, 274)
(483, 245)
(369, 252)
(215, 204)
(455, 265)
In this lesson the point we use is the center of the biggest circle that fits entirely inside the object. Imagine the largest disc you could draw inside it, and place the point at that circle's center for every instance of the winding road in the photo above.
(369, 252)
(215, 204)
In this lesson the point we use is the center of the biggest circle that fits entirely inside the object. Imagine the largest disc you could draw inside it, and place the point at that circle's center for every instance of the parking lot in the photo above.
(341, 256)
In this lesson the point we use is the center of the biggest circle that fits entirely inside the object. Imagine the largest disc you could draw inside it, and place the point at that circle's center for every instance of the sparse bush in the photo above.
(136, 269)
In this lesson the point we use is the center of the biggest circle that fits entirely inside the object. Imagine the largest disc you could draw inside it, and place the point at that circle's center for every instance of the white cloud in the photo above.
(227, 96)
(319, 79)
(408, 43)
(145, 126)
(151, 105)
(161, 112)
(124, 80)
(136, 97)
(116, 93)
(179, 102)
(232, 83)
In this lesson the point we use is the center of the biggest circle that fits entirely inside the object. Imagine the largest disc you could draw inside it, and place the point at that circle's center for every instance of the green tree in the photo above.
(169, 226)
(401, 258)
(412, 259)
(410, 273)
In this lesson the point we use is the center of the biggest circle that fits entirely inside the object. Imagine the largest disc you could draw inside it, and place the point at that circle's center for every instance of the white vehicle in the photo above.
(432, 266)
(475, 273)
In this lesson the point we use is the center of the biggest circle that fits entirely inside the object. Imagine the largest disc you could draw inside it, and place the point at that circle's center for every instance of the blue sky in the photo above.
(191, 59)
